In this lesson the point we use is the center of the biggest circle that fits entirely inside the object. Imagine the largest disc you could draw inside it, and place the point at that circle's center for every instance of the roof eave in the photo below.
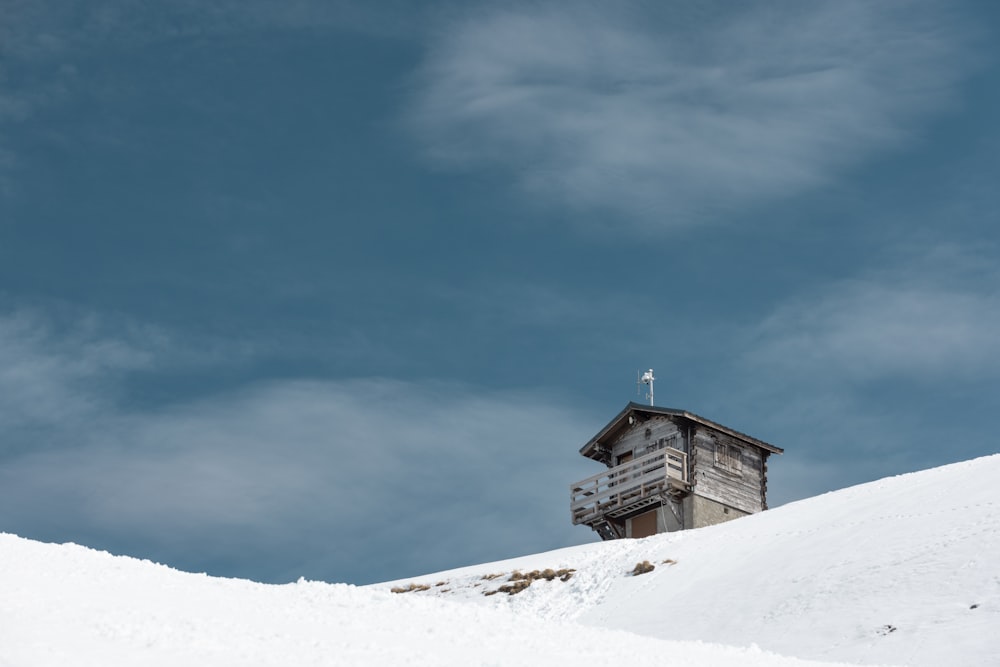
(588, 449)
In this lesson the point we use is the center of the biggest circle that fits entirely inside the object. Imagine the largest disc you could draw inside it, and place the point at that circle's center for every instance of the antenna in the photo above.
(646, 379)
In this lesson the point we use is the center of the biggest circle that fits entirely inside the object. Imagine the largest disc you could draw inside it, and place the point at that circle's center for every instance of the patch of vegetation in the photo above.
(410, 588)
(547, 574)
(642, 568)
(441, 583)
(515, 587)
(521, 580)
(670, 561)
(491, 577)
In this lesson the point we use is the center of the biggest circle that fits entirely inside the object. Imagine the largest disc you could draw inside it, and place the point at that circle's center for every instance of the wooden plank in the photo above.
(742, 490)
(627, 485)
(635, 439)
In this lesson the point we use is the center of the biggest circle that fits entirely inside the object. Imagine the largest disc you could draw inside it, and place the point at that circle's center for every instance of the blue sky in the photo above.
(337, 290)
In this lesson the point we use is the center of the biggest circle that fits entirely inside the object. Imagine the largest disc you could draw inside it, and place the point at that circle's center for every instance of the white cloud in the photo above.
(47, 378)
(937, 316)
(289, 475)
(668, 118)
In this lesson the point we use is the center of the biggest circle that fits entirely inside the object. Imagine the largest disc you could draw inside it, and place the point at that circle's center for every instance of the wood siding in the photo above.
(686, 471)
(739, 487)
(621, 490)
(662, 432)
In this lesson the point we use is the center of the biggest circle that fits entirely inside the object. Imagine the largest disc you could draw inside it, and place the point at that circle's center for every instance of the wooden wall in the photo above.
(742, 489)
(723, 488)
(647, 436)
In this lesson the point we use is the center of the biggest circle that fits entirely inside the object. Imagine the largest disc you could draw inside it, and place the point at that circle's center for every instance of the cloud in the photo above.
(892, 369)
(327, 479)
(47, 377)
(668, 118)
(935, 316)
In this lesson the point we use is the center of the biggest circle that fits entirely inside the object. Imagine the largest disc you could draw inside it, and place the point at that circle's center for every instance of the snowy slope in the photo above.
(904, 570)
(67, 605)
(901, 571)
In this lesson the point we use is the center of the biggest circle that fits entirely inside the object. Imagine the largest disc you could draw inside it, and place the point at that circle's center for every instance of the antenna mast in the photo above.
(646, 379)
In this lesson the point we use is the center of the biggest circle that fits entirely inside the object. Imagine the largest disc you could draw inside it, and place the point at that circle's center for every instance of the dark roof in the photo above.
(620, 422)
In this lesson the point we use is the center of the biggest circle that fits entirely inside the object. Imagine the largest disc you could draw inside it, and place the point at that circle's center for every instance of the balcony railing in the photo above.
(628, 486)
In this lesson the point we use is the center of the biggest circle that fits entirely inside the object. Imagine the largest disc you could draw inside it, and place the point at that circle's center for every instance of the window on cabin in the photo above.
(666, 442)
(729, 458)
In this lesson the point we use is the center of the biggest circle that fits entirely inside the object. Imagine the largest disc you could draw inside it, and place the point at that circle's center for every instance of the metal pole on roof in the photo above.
(647, 379)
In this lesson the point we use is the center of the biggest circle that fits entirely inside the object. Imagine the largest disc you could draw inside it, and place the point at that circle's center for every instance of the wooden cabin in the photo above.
(669, 470)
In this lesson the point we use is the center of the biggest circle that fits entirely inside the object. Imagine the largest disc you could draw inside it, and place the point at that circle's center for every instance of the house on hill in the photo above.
(669, 470)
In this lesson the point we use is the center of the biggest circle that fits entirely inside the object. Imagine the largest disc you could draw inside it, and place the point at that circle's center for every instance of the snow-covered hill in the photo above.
(905, 570)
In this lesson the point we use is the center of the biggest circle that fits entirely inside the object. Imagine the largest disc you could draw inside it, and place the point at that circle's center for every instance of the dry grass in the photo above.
(491, 577)
(670, 561)
(516, 587)
(441, 583)
(409, 588)
(521, 580)
(642, 568)
(547, 574)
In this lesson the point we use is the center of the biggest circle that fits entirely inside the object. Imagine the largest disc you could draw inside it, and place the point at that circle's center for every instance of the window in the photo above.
(666, 442)
(729, 458)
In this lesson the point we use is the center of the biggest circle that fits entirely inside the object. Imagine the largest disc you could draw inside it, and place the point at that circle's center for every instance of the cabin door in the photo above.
(644, 525)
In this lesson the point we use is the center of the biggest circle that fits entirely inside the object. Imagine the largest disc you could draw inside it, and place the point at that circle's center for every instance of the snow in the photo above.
(899, 571)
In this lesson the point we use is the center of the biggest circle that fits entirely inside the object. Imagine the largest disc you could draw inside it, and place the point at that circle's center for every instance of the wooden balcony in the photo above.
(629, 487)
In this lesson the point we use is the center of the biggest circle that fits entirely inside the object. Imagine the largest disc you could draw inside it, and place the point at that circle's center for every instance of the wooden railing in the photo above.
(628, 485)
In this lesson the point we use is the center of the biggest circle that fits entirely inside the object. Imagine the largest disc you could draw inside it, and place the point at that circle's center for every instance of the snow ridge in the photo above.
(899, 571)
(902, 570)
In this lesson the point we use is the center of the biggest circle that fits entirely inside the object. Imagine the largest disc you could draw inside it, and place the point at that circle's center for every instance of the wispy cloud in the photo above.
(935, 316)
(318, 477)
(667, 118)
(47, 378)
(852, 376)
